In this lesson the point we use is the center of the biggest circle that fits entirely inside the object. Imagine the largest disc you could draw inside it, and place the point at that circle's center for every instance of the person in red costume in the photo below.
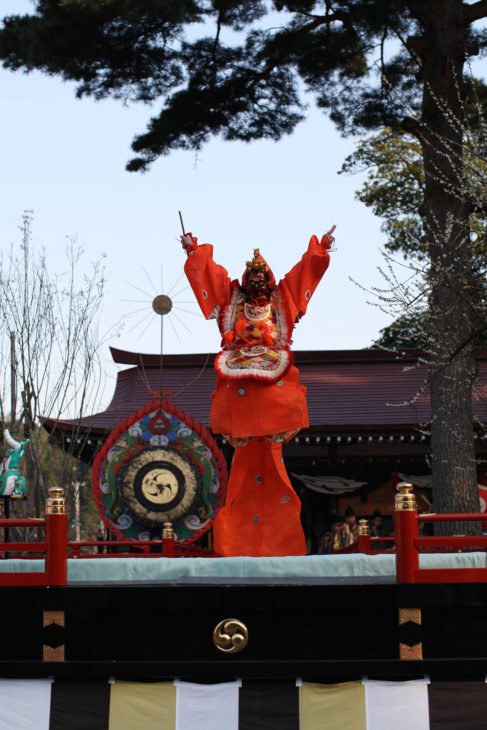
(259, 402)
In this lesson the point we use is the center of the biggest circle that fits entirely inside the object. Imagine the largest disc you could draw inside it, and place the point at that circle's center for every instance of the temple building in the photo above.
(369, 412)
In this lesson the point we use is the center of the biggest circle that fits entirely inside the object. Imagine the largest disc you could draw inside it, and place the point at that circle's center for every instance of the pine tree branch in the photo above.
(412, 126)
(417, 44)
(476, 11)
(476, 333)
(340, 16)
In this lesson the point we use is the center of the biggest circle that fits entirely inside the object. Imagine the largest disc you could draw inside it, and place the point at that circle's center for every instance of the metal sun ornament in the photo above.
(162, 304)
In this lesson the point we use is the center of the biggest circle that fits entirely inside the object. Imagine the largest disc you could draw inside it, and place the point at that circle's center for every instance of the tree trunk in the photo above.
(446, 213)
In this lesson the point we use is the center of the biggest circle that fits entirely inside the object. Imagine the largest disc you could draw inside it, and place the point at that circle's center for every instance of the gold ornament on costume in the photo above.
(257, 312)
(257, 263)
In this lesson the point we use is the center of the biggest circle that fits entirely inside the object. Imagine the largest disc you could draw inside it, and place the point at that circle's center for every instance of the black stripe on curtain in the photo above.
(269, 706)
(79, 706)
(458, 706)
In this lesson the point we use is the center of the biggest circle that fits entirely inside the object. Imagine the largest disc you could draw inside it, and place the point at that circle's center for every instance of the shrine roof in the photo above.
(347, 389)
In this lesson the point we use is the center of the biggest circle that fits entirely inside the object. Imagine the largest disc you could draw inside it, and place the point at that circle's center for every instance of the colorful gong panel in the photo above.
(159, 465)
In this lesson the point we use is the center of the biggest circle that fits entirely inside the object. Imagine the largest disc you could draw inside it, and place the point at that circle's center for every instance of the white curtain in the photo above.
(207, 706)
(396, 705)
(25, 704)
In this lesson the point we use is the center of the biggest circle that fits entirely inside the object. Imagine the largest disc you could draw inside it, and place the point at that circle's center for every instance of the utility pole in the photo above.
(13, 381)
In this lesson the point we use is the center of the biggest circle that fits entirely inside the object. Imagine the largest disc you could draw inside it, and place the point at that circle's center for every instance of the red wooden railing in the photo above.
(366, 543)
(54, 546)
(167, 548)
(409, 543)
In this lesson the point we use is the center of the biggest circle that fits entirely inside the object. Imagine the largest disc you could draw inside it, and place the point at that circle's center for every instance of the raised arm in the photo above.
(209, 281)
(300, 283)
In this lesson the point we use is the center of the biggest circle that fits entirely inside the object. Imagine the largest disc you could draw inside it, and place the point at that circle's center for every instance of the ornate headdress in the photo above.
(259, 263)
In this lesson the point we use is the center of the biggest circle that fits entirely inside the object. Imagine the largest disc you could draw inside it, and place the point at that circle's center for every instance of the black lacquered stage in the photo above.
(328, 629)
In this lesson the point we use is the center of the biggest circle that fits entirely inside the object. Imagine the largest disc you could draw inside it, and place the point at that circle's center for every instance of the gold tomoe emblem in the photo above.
(230, 636)
(159, 486)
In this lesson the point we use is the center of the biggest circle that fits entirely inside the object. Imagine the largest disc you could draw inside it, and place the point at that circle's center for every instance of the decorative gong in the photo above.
(159, 486)
(157, 466)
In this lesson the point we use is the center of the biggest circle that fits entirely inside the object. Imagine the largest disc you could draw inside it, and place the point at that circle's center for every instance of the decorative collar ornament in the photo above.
(257, 312)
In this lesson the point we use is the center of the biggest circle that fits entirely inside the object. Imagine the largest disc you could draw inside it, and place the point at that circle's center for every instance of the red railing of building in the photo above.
(366, 543)
(409, 543)
(167, 548)
(54, 546)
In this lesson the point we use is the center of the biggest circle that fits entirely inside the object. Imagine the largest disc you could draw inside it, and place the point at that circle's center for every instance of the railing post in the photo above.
(56, 538)
(364, 543)
(168, 548)
(406, 531)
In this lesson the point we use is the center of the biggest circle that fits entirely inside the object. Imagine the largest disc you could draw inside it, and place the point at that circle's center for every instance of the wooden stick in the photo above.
(182, 224)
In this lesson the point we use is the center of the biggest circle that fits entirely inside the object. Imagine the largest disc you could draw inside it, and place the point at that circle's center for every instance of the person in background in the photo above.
(350, 526)
(377, 527)
(335, 538)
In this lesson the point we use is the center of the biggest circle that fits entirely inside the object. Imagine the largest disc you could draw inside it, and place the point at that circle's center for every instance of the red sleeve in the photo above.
(300, 283)
(209, 281)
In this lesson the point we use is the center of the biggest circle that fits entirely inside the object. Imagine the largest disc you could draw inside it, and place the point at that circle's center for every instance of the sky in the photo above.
(64, 158)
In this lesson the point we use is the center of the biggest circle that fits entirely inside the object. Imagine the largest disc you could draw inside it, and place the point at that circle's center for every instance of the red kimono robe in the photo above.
(256, 394)
(259, 402)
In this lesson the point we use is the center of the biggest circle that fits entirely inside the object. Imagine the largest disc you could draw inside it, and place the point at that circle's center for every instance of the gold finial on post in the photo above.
(406, 533)
(168, 547)
(55, 503)
(405, 499)
(56, 538)
(363, 527)
(364, 542)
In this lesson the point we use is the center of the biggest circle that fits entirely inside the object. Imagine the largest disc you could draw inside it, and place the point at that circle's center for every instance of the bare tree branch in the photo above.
(55, 320)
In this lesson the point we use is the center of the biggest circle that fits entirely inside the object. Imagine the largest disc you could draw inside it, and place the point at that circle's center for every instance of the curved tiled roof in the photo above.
(355, 389)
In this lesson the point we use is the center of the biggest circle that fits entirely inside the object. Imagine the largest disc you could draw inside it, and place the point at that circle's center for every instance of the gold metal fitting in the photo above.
(411, 652)
(363, 527)
(230, 636)
(167, 531)
(405, 500)
(55, 503)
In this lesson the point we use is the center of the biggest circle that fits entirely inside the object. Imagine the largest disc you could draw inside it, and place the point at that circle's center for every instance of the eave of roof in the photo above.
(353, 390)
(124, 357)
